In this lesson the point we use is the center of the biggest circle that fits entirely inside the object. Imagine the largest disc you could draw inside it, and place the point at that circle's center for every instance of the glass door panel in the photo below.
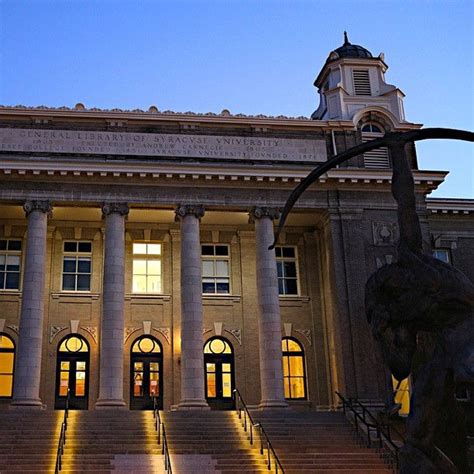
(146, 382)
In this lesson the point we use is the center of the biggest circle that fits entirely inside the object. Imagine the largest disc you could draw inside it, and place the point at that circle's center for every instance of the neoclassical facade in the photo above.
(134, 257)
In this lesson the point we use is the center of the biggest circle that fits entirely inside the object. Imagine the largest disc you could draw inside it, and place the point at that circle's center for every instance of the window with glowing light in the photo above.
(7, 364)
(294, 376)
(146, 267)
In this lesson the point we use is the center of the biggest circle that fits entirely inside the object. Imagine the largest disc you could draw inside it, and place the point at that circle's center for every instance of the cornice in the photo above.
(229, 175)
(42, 114)
(450, 206)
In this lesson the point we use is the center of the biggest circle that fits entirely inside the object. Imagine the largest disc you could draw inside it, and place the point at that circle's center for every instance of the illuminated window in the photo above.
(146, 345)
(77, 266)
(73, 344)
(219, 361)
(10, 259)
(402, 395)
(287, 264)
(215, 269)
(379, 157)
(217, 346)
(442, 254)
(7, 364)
(294, 377)
(146, 268)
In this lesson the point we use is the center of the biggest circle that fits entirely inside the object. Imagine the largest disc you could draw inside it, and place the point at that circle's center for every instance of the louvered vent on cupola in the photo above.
(361, 81)
(378, 158)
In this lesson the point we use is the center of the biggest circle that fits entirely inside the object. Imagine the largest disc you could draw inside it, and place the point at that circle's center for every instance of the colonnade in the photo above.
(28, 365)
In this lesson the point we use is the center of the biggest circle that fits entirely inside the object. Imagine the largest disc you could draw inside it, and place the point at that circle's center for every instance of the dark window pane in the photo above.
(222, 287)
(3, 244)
(84, 265)
(280, 287)
(278, 251)
(288, 252)
(85, 247)
(70, 246)
(208, 287)
(69, 265)
(84, 282)
(208, 250)
(69, 282)
(13, 281)
(290, 269)
(2, 280)
(14, 245)
(291, 287)
(280, 269)
(222, 250)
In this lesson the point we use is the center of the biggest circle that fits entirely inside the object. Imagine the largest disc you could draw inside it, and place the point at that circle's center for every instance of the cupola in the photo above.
(353, 79)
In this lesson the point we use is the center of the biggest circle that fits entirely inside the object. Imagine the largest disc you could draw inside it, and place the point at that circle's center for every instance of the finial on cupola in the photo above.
(346, 39)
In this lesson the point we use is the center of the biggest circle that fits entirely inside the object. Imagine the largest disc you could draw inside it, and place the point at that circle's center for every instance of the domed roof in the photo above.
(348, 50)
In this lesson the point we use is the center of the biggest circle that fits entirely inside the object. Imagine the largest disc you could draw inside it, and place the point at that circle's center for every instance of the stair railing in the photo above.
(161, 436)
(62, 436)
(249, 425)
(382, 431)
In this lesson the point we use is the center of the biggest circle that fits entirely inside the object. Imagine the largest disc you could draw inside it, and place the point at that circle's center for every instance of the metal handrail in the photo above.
(161, 432)
(382, 430)
(249, 424)
(62, 437)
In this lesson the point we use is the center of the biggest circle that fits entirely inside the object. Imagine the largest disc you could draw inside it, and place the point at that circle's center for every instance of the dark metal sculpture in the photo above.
(417, 293)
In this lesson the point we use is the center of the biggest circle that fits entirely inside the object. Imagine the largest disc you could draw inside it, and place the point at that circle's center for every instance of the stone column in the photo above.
(112, 323)
(269, 321)
(30, 343)
(192, 356)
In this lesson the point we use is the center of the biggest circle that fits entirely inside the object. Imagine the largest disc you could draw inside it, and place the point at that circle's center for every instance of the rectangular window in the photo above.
(215, 269)
(287, 264)
(77, 266)
(442, 254)
(361, 82)
(10, 261)
(146, 268)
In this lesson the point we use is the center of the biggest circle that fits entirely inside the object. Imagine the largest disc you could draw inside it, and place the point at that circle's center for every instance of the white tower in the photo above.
(351, 80)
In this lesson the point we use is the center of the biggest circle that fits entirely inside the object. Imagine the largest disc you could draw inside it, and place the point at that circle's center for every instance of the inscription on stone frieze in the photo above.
(160, 144)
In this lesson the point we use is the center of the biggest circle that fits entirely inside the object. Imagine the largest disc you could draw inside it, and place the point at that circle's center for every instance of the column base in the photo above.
(272, 405)
(193, 404)
(27, 403)
(110, 404)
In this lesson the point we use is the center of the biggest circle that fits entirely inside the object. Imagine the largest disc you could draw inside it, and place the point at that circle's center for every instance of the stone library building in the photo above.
(134, 261)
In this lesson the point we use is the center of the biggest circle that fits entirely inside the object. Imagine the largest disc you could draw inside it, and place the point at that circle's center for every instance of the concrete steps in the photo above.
(314, 442)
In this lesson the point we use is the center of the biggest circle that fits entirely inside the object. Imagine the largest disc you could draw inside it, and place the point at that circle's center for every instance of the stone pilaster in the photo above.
(192, 357)
(112, 323)
(269, 321)
(30, 343)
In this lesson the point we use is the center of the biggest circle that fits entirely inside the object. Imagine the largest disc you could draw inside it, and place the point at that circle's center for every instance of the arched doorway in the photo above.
(219, 365)
(146, 367)
(72, 372)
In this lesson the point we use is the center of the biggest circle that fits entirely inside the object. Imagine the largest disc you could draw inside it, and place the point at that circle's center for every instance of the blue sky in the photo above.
(253, 57)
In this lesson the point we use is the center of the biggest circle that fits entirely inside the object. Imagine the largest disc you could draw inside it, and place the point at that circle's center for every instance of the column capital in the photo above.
(258, 212)
(43, 206)
(189, 210)
(115, 207)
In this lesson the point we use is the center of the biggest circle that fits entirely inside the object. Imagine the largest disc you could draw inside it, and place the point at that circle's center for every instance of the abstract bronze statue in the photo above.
(417, 293)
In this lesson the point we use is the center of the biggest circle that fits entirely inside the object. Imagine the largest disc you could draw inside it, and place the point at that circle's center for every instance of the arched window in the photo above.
(146, 345)
(377, 158)
(294, 376)
(217, 345)
(7, 364)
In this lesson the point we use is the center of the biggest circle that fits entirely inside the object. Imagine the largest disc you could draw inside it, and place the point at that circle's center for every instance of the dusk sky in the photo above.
(251, 57)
